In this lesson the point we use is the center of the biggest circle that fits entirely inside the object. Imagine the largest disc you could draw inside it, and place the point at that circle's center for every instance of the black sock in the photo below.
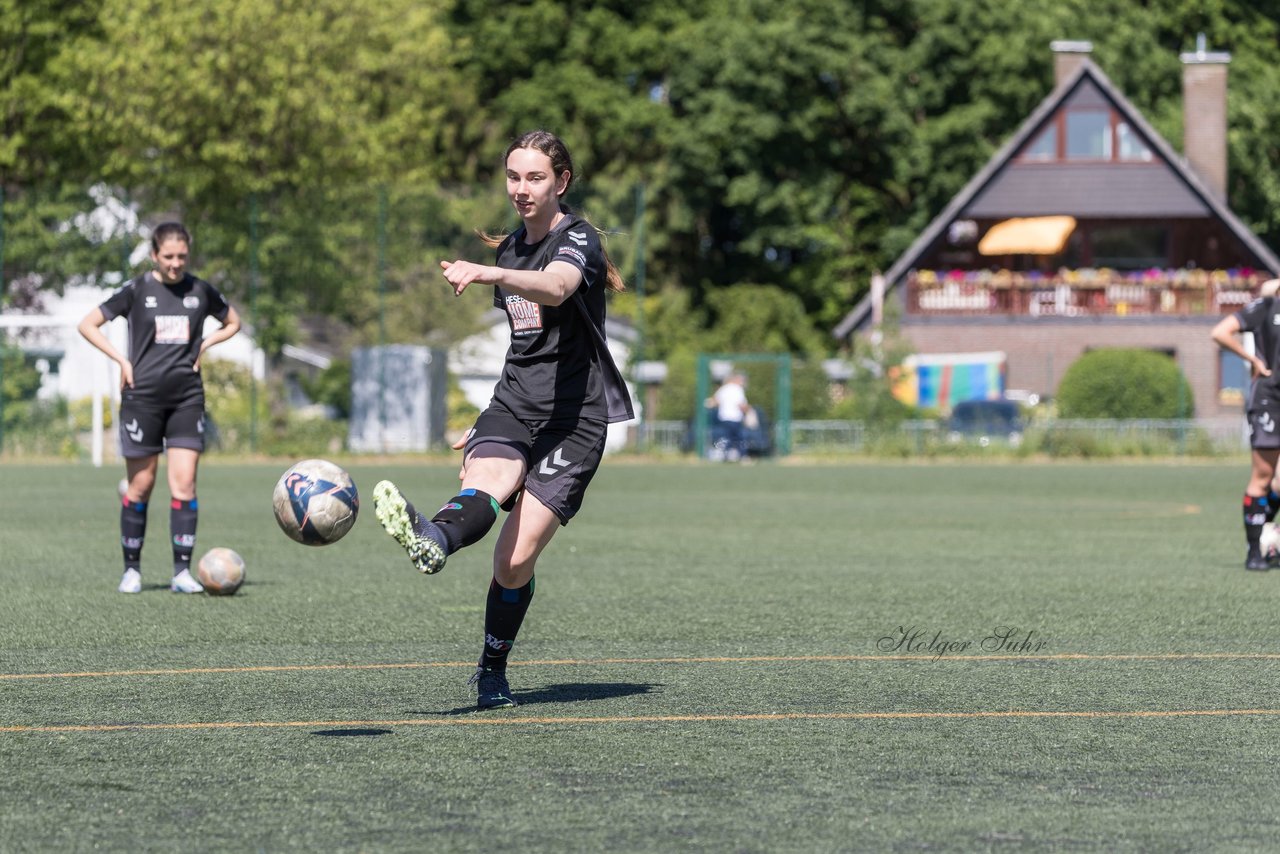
(1255, 515)
(182, 528)
(133, 531)
(1273, 505)
(466, 519)
(503, 613)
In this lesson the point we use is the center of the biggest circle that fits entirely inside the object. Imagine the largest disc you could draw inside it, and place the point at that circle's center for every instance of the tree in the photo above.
(42, 168)
(784, 138)
(19, 383)
(793, 144)
(236, 111)
(33, 33)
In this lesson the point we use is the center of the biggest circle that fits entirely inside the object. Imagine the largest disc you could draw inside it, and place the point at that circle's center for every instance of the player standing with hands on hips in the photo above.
(162, 395)
(1261, 317)
(534, 450)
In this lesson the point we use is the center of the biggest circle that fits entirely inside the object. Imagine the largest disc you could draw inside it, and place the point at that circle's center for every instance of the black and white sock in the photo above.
(182, 529)
(133, 532)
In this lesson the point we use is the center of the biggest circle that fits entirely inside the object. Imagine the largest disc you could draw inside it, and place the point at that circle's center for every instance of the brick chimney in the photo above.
(1204, 115)
(1067, 57)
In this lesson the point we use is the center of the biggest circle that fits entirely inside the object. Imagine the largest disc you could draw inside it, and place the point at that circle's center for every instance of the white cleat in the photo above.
(184, 583)
(131, 582)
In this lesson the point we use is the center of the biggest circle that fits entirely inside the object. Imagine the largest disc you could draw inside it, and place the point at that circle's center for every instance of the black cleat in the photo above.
(492, 689)
(1257, 562)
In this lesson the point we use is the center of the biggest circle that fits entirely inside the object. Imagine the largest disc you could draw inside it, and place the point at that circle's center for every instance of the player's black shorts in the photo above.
(562, 455)
(147, 430)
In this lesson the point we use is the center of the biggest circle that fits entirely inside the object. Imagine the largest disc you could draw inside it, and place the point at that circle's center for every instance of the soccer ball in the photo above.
(221, 571)
(1270, 541)
(316, 502)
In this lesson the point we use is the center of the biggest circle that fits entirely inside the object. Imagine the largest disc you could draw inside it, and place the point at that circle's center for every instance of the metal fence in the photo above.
(1054, 437)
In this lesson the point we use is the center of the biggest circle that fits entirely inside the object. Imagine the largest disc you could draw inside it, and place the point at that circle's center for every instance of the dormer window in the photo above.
(1129, 146)
(1087, 133)
(1044, 146)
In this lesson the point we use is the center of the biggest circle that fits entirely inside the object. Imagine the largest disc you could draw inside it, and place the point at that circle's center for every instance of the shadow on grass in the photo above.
(571, 692)
(163, 587)
(348, 733)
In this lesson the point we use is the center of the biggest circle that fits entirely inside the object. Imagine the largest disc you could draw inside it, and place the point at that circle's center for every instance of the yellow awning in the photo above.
(1037, 235)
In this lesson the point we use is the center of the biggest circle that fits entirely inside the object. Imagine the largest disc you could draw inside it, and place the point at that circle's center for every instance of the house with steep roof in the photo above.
(1087, 230)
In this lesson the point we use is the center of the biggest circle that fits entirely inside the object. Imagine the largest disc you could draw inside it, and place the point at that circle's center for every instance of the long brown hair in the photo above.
(169, 231)
(561, 162)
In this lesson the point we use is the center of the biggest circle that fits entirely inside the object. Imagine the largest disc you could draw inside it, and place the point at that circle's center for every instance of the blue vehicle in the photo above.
(986, 421)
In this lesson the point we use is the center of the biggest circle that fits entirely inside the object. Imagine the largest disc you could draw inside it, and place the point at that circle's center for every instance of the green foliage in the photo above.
(810, 390)
(261, 97)
(229, 392)
(677, 400)
(80, 413)
(20, 380)
(267, 117)
(331, 387)
(244, 419)
(670, 323)
(759, 319)
(1124, 383)
(870, 402)
(48, 240)
(462, 412)
(1118, 442)
(33, 34)
(328, 154)
(876, 365)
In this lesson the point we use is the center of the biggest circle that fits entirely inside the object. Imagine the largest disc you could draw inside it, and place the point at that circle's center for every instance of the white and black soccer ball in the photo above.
(316, 502)
(221, 571)
(1270, 541)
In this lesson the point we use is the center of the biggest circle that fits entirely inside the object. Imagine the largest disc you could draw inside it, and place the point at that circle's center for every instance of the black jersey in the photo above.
(166, 325)
(1262, 318)
(558, 365)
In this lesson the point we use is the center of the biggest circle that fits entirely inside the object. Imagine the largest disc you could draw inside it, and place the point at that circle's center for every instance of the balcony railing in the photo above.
(1081, 293)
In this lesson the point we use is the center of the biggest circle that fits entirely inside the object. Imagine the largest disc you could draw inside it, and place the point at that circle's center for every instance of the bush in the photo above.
(19, 383)
(1124, 383)
(331, 387)
(462, 412)
(42, 428)
(227, 393)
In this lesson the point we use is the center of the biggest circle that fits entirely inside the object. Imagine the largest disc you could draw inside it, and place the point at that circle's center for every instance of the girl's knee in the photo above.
(512, 573)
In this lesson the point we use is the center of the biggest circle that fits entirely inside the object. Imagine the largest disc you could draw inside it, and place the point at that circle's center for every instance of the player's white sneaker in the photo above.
(131, 582)
(184, 583)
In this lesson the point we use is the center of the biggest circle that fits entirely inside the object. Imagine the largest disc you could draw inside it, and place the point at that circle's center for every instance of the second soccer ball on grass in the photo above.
(221, 571)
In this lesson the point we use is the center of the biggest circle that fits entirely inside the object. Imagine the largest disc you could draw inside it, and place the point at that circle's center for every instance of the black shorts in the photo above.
(146, 430)
(561, 456)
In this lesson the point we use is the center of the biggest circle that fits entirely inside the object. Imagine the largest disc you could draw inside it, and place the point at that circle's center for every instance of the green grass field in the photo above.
(719, 658)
